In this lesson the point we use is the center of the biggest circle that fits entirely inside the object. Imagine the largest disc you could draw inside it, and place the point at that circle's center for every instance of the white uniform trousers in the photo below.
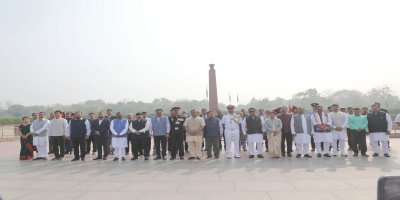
(229, 135)
(117, 154)
(302, 148)
(326, 147)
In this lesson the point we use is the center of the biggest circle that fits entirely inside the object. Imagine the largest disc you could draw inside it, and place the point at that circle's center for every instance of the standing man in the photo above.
(212, 134)
(91, 137)
(130, 135)
(144, 116)
(110, 117)
(50, 142)
(159, 129)
(379, 127)
(176, 134)
(397, 120)
(252, 127)
(286, 132)
(264, 118)
(194, 126)
(261, 112)
(358, 123)
(203, 113)
(119, 128)
(139, 129)
(58, 129)
(302, 130)
(39, 132)
(322, 132)
(314, 110)
(339, 132)
(364, 111)
(79, 130)
(100, 128)
(68, 141)
(231, 123)
(242, 140)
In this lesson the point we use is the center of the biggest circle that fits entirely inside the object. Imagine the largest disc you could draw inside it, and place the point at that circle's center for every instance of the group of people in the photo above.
(204, 130)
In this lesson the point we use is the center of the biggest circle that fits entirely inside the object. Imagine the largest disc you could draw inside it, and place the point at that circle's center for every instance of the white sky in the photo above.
(73, 51)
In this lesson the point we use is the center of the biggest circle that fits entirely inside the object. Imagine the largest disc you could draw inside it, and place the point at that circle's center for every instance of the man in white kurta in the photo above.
(379, 128)
(397, 120)
(322, 131)
(339, 129)
(252, 127)
(302, 132)
(119, 129)
(40, 139)
(231, 123)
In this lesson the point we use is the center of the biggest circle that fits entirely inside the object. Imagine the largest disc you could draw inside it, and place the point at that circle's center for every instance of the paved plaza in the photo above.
(278, 179)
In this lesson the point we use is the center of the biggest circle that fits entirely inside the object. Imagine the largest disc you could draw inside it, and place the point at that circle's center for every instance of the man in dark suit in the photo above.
(101, 129)
(129, 138)
(110, 117)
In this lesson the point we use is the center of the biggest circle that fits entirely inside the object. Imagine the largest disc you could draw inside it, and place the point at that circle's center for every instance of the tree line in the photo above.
(345, 98)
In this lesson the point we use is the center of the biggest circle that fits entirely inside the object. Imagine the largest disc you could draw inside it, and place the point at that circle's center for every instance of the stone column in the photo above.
(213, 100)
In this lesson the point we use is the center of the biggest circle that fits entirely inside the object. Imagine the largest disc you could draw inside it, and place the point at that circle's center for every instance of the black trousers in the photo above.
(51, 146)
(79, 144)
(129, 142)
(175, 142)
(356, 137)
(110, 148)
(186, 144)
(88, 143)
(58, 141)
(141, 144)
(288, 137)
(163, 141)
(101, 143)
(266, 143)
(214, 142)
(312, 142)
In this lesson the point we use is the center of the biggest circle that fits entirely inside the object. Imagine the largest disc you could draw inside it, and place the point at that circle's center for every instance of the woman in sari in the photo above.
(26, 152)
(273, 128)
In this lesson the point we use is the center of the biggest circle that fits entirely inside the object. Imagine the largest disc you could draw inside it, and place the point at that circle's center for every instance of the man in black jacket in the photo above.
(101, 129)
(140, 136)
(79, 130)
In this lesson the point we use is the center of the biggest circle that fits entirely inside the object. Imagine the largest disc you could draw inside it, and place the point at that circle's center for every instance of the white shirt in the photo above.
(397, 118)
(65, 127)
(87, 124)
(227, 120)
(146, 128)
(244, 126)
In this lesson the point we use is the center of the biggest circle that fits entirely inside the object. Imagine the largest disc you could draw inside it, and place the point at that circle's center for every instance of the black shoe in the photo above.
(191, 158)
(260, 156)
(266, 150)
(46, 158)
(104, 158)
(181, 158)
(164, 158)
(146, 158)
(187, 151)
(216, 157)
(208, 157)
(244, 149)
(123, 159)
(157, 158)
(319, 155)
(54, 159)
(375, 155)
(307, 156)
(283, 155)
(289, 155)
(312, 149)
(327, 155)
(237, 156)
(386, 155)
(172, 158)
(75, 159)
(98, 158)
(60, 158)
(82, 159)
(50, 152)
(298, 156)
(134, 158)
(251, 156)
(115, 159)
(198, 158)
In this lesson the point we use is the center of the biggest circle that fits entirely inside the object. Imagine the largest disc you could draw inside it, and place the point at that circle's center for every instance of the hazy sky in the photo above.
(72, 51)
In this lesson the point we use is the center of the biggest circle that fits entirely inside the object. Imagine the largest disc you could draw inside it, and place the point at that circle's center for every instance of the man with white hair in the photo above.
(339, 131)
(302, 129)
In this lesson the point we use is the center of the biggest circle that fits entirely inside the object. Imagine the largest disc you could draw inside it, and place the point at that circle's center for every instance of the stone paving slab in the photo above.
(245, 178)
